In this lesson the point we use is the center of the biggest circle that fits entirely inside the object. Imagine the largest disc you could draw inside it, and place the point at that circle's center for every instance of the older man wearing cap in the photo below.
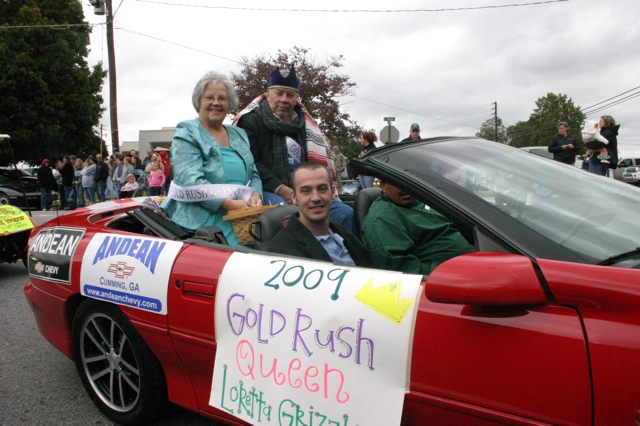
(283, 135)
(414, 134)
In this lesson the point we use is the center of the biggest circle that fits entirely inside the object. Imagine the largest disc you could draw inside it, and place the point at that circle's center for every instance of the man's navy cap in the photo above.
(287, 81)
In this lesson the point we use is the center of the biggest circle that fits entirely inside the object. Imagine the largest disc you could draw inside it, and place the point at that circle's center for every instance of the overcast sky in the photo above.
(441, 69)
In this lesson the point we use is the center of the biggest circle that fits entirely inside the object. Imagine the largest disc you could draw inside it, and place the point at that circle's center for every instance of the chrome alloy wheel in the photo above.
(109, 362)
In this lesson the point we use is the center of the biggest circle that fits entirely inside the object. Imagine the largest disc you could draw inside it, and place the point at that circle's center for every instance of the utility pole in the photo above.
(100, 7)
(495, 120)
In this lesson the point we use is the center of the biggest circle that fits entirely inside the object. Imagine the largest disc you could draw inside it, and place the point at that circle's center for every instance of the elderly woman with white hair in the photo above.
(214, 171)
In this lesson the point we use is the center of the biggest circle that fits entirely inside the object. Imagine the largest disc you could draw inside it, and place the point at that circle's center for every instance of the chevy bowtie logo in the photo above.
(121, 269)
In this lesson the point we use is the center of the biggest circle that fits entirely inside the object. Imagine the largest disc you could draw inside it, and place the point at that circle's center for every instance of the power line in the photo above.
(118, 8)
(405, 65)
(357, 10)
(626, 106)
(614, 103)
(414, 88)
(245, 64)
(545, 126)
(399, 82)
(366, 10)
(182, 45)
(412, 112)
(549, 125)
(623, 93)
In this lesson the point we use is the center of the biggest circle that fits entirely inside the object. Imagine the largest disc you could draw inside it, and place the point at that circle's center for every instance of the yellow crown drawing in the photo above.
(385, 300)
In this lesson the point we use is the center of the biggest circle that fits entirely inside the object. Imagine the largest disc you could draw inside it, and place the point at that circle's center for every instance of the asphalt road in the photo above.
(39, 385)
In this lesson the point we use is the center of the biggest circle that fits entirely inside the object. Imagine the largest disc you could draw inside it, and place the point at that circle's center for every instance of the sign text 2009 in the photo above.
(293, 275)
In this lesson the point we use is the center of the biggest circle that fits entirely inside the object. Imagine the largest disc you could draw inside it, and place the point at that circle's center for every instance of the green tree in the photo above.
(321, 87)
(350, 148)
(549, 111)
(543, 121)
(518, 134)
(488, 131)
(49, 97)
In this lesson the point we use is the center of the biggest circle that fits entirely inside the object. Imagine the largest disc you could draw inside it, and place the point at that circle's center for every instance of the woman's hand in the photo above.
(229, 204)
(255, 200)
(286, 193)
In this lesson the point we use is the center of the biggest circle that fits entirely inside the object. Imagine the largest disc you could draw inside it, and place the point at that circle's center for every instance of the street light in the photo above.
(98, 7)
(24, 194)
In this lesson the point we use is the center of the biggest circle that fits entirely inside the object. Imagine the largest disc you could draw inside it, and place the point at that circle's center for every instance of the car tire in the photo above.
(4, 199)
(23, 241)
(118, 370)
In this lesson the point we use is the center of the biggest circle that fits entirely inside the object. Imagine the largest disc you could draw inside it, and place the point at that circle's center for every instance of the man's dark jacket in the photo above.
(46, 179)
(296, 240)
(67, 173)
(567, 156)
(102, 172)
(409, 139)
(262, 140)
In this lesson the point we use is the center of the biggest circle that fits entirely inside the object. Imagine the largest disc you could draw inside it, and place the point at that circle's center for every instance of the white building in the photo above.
(150, 139)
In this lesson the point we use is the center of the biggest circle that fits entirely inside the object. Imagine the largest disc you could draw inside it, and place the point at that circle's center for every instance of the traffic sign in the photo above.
(389, 132)
(389, 119)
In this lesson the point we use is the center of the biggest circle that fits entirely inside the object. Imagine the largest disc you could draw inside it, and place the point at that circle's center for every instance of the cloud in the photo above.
(442, 70)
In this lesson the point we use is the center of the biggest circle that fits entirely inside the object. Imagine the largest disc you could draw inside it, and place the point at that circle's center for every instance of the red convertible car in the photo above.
(540, 326)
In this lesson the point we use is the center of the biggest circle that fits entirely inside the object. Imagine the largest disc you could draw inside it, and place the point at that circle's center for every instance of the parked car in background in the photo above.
(11, 190)
(631, 175)
(31, 170)
(542, 151)
(623, 164)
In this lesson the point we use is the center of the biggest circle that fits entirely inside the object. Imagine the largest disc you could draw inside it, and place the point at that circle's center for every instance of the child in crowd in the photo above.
(156, 179)
(594, 141)
(130, 187)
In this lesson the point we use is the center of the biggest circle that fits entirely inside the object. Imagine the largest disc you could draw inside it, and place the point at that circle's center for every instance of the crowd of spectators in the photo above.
(81, 182)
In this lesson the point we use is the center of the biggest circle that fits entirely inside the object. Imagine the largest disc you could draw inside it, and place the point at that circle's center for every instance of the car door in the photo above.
(477, 363)
(607, 298)
(191, 301)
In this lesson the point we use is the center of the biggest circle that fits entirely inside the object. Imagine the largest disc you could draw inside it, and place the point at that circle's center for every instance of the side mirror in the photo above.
(486, 279)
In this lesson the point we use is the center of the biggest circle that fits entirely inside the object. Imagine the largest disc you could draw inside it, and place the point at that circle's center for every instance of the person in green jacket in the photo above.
(406, 235)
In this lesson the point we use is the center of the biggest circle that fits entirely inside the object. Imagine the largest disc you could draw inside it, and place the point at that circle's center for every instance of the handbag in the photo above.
(72, 196)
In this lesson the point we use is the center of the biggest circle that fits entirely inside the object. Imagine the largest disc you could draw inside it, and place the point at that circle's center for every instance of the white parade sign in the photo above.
(311, 342)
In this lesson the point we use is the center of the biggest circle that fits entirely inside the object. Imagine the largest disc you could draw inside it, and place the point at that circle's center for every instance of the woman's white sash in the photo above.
(197, 193)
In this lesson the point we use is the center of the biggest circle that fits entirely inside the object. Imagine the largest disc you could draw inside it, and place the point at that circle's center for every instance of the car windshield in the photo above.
(589, 214)
(13, 174)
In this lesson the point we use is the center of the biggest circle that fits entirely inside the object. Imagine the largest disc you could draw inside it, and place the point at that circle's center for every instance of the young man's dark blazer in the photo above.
(296, 240)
